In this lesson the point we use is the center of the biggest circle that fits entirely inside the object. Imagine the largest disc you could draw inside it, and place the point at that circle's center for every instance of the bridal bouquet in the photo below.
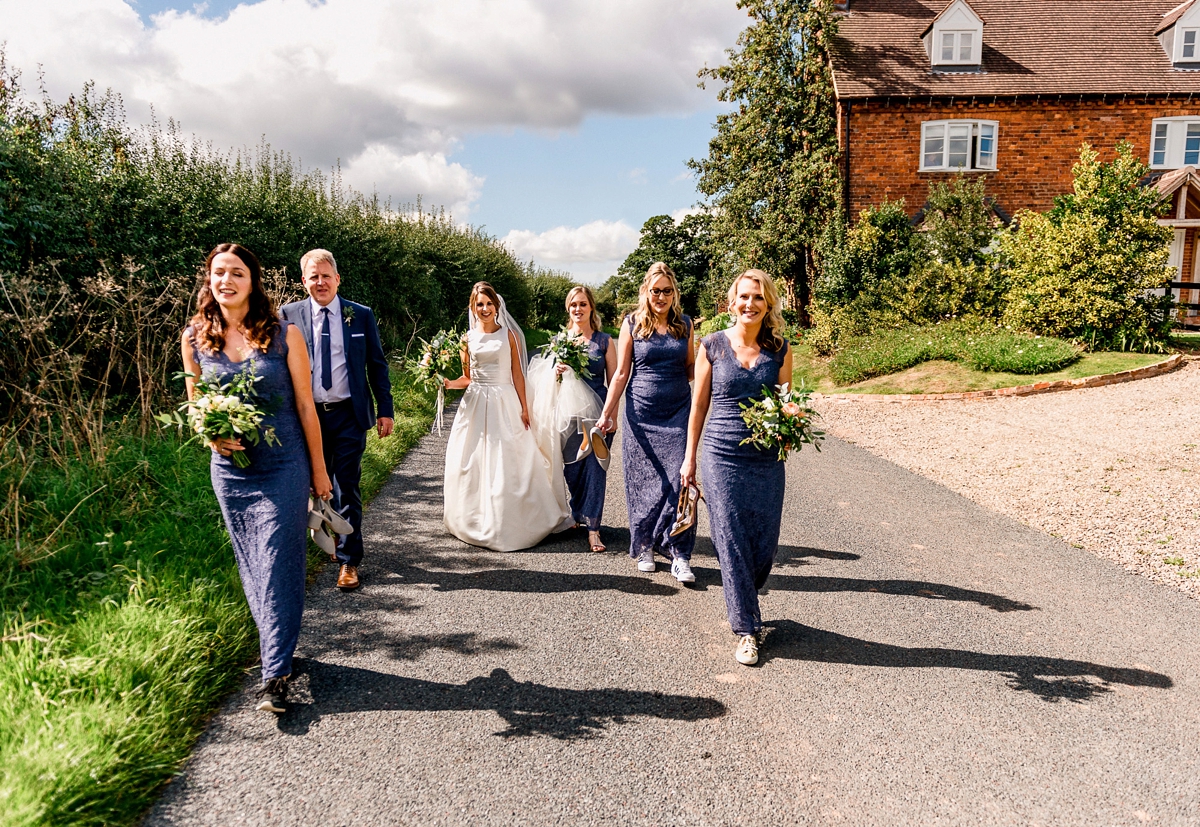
(224, 412)
(439, 356)
(570, 349)
(781, 420)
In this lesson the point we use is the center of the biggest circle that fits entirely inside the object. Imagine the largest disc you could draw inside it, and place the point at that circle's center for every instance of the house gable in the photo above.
(954, 40)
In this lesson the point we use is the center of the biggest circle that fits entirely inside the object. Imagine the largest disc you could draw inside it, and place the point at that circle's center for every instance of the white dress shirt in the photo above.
(337, 346)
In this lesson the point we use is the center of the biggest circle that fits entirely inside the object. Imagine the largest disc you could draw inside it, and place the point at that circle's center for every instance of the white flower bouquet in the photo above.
(569, 349)
(781, 420)
(224, 412)
(439, 357)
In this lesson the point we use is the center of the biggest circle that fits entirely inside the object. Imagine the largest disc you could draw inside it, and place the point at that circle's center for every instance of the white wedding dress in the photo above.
(501, 491)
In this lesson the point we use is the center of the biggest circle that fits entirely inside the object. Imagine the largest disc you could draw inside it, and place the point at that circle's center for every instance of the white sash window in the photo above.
(1175, 142)
(958, 145)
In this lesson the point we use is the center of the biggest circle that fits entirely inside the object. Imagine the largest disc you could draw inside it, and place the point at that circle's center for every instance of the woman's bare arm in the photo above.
(620, 379)
(464, 380)
(518, 377)
(701, 397)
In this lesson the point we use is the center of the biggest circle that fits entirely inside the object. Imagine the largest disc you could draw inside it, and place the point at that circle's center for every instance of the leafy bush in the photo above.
(547, 297)
(1084, 270)
(980, 346)
(720, 321)
(941, 291)
(959, 223)
(881, 249)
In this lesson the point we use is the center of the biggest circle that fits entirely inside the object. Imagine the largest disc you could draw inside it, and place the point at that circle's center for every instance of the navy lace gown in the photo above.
(266, 506)
(743, 486)
(657, 403)
(586, 480)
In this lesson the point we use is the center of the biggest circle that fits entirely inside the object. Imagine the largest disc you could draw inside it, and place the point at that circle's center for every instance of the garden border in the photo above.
(1157, 369)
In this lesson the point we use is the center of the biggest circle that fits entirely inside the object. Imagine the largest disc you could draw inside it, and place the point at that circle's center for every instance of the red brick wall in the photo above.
(1038, 143)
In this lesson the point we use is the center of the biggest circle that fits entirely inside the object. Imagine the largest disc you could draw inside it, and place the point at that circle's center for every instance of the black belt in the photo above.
(333, 406)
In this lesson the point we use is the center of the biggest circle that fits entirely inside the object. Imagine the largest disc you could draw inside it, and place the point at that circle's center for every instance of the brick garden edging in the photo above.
(1165, 366)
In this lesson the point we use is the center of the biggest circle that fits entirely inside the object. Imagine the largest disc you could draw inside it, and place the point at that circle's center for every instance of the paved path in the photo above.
(928, 662)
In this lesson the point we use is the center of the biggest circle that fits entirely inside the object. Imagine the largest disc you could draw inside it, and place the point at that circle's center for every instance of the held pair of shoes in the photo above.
(593, 443)
(325, 524)
(685, 511)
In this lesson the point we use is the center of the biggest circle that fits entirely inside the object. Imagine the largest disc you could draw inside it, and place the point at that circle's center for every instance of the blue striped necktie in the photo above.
(326, 351)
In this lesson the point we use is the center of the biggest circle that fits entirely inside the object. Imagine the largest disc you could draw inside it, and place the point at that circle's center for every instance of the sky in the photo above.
(557, 125)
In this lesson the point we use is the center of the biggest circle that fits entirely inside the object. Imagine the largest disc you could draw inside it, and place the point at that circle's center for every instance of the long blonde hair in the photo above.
(594, 319)
(643, 317)
(770, 335)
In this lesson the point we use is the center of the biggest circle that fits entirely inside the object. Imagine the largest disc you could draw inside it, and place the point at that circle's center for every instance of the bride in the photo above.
(501, 491)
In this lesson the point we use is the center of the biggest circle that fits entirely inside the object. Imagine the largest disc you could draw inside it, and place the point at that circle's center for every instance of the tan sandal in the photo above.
(596, 545)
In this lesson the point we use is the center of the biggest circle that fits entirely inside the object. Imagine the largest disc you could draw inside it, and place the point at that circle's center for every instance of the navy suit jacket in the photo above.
(365, 361)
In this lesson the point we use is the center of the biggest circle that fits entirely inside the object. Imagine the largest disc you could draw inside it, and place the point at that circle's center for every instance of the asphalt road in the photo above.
(927, 662)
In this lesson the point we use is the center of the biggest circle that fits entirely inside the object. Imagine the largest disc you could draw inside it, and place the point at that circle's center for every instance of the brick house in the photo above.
(1009, 90)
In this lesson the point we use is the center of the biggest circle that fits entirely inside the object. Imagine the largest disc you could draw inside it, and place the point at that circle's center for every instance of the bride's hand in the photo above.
(560, 369)
(525, 418)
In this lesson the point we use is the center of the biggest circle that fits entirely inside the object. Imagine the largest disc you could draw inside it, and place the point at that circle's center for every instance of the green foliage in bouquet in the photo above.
(440, 356)
(569, 349)
(224, 412)
(781, 420)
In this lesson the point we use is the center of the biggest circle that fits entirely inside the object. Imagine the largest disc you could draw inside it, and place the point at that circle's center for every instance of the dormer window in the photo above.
(1179, 35)
(954, 40)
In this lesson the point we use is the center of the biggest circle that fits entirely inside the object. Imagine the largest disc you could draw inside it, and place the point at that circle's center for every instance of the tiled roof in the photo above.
(1030, 47)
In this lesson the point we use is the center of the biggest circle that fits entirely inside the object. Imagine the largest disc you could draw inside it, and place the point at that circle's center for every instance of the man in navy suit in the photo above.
(348, 368)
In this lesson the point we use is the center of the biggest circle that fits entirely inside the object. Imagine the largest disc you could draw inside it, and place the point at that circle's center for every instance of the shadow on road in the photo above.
(1052, 679)
(706, 577)
(528, 581)
(528, 708)
(350, 637)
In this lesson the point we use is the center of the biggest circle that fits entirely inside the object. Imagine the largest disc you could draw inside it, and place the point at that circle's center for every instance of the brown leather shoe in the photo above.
(348, 577)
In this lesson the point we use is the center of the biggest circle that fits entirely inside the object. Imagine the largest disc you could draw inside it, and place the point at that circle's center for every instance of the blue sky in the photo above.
(558, 125)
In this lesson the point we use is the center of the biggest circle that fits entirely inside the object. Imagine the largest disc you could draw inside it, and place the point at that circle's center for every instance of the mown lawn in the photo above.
(941, 376)
(124, 624)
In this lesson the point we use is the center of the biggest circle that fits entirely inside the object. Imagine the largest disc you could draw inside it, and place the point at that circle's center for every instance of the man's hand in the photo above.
(384, 425)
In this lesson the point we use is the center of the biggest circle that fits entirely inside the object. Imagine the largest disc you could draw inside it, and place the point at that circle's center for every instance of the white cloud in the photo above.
(381, 169)
(384, 85)
(591, 252)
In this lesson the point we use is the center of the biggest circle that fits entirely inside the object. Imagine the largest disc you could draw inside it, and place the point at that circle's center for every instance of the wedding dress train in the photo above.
(501, 491)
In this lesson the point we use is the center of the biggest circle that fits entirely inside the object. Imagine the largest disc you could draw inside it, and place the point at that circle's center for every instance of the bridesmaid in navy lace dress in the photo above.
(265, 505)
(743, 485)
(587, 479)
(655, 359)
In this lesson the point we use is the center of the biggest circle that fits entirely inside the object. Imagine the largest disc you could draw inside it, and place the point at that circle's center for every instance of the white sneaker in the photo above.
(646, 561)
(682, 571)
(747, 650)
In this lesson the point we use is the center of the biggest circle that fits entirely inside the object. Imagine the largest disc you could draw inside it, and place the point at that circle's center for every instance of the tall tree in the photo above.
(771, 174)
(683, 246)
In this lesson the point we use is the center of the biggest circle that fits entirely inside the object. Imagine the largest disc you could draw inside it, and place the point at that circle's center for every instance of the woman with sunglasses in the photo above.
(655, 360)
(744, 483)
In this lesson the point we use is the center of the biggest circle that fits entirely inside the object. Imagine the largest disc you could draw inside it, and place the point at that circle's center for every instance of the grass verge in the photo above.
(124, 623)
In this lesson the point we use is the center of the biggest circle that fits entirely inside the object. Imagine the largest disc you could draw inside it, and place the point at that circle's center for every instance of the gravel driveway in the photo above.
(1113, 470)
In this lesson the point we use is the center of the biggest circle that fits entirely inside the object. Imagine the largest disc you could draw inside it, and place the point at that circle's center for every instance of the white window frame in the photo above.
(1180, 146)
(956, 47)
(977, 134)
(1182, 45)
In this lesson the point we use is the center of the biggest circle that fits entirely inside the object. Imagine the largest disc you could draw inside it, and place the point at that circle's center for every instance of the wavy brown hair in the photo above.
(643, 317)
(594, 318)
(261, 324)
(770, 335)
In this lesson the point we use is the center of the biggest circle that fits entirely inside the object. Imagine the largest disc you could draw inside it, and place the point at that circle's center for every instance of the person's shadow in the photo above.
(1052, 679)
(528, 708)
